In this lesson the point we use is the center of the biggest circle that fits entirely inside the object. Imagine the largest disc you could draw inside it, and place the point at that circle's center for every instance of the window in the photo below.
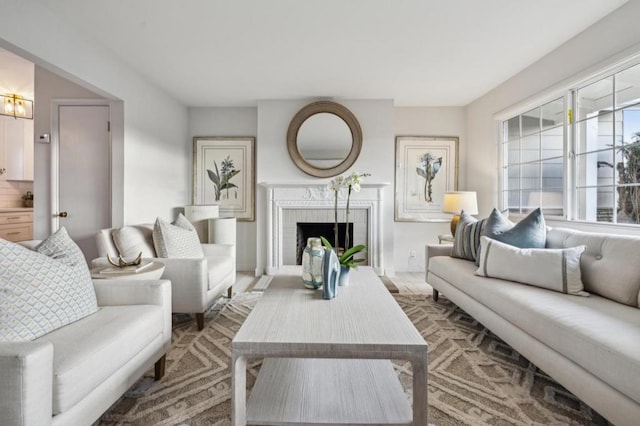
(601, 147)
(533, 166)
(607, 149)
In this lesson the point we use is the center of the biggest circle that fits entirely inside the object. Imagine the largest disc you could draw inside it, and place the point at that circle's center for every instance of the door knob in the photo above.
(62, 214)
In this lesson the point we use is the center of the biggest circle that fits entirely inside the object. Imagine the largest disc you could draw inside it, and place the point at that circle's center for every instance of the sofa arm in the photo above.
(432, 250)
(219, 250)
(26, 383)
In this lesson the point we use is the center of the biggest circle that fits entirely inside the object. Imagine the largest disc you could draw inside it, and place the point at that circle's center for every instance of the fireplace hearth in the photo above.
(288, 204)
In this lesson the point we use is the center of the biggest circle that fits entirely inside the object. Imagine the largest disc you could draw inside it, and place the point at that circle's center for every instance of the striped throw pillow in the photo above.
(466, 244)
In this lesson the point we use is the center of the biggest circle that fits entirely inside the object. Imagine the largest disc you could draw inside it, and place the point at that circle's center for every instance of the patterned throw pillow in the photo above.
(466, 243)
(177, 240)
(43, 290)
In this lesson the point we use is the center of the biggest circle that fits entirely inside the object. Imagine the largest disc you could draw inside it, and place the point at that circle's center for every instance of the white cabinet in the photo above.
(16, 148)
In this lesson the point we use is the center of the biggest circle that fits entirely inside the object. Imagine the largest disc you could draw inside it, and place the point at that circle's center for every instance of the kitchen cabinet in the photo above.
(16, 225)
(16, 148)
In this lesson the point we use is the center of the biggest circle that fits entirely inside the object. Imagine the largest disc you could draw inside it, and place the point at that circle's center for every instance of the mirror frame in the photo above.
(324, 107)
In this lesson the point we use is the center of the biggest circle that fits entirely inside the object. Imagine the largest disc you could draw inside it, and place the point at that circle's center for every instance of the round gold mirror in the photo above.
(324, 139)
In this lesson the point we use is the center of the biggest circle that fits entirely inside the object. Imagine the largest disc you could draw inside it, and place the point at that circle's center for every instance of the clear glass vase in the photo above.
(312, 262)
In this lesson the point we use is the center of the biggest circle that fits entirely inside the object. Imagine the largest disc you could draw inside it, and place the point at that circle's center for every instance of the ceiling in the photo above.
(416, 52)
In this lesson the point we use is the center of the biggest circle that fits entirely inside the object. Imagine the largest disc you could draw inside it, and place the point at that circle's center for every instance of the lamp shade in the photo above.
(455, 202)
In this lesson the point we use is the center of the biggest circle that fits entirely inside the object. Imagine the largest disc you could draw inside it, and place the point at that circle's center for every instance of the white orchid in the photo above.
(353, 183)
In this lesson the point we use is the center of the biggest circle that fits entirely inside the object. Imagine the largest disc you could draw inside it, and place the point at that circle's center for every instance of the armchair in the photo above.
(196, 283)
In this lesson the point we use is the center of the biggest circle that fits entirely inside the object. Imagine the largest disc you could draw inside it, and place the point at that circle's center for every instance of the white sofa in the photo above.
(72, 375)
(196, 283)
(590, 345)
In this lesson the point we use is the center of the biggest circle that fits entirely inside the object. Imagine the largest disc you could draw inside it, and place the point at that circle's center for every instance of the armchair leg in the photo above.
(200, 320)
(230, 292)
(159, 367)
(436, 294)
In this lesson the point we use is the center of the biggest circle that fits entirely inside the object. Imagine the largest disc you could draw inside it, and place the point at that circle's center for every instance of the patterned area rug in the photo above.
(474, 378)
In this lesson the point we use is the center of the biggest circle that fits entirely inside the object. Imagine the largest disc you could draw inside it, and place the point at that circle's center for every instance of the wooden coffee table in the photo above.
(328, 361)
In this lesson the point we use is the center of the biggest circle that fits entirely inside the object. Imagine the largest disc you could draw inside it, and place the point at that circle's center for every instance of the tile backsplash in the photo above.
(11, 192)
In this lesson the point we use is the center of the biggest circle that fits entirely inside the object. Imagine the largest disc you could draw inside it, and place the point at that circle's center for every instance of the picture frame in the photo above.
(224, 174)
(426, 168)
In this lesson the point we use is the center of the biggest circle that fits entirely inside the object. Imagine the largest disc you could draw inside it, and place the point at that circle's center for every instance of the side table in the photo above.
(151, 272)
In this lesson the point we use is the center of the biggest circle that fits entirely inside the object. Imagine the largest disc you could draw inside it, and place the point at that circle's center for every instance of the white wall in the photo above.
(152, 160)
(423, 121)
(274, 164)
(229, 122)
(380, 123)
(605, 42)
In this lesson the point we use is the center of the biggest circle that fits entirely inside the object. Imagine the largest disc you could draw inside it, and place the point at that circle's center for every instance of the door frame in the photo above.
(55, 154)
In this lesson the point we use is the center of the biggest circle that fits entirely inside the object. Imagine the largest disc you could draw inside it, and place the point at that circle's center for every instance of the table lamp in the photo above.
(455, 202)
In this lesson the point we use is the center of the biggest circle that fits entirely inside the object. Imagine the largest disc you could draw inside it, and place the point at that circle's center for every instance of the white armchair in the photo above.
(196, 283)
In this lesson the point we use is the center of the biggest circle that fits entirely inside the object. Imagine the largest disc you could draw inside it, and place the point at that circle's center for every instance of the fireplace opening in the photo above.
(306, 230)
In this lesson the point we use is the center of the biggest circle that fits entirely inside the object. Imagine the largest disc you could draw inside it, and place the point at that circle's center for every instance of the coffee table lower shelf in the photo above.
(310, 391)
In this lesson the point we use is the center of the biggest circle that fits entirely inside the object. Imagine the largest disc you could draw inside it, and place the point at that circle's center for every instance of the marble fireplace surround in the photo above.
(366, 207)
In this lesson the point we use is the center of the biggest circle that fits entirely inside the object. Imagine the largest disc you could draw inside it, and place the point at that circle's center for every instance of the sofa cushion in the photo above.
(553, 269)
(609, 264)
(177, 240)
(600, 335)
(42, 292)
(219, 267)
(530, 232)
(466, 242)
(133, 240)
(89, 351)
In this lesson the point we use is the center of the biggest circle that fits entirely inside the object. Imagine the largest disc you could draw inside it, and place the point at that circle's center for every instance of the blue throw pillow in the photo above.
(530, 232)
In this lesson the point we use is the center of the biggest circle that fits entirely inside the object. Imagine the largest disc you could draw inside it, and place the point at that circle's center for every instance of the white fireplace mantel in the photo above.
(291, 196)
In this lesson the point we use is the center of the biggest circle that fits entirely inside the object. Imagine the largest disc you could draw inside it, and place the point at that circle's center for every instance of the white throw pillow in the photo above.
(133, 240)
(43, 290)
(553, 269)
(177, 240)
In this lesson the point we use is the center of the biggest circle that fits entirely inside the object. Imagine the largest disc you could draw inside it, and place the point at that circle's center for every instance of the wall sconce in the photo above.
(455, 202)
(16, 106)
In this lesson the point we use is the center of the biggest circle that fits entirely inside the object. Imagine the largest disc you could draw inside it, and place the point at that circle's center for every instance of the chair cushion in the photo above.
(466, 243)
(133, 240)
(89, 351)
(600, 335)
(43, 290)
(553, 269)
(530, 232)
(219, 267)
(177, 240)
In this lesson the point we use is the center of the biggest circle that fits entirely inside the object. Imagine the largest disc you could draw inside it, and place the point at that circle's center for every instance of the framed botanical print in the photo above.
(426, 168)
(224, 174)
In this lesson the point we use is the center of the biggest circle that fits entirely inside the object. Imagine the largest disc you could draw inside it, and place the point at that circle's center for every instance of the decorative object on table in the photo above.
(346, 260)
(224, 174)
(331, 272)
(351, 183)
(122, 263)
(27, 199)
(312, 264)
(126, 269)
(455, 202)
(199, 216)
(426, 168)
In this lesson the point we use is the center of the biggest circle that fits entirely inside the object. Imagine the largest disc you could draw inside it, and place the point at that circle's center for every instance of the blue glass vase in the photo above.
(312, 261)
